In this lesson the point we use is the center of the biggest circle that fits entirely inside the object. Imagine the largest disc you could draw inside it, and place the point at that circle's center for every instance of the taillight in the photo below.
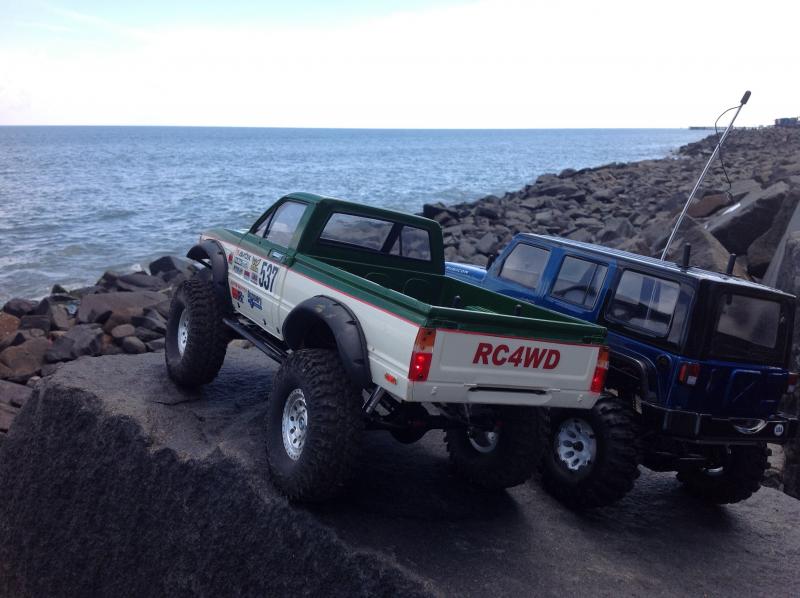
(791, 382)
(422, 356)
(600, 371)
(689, 373)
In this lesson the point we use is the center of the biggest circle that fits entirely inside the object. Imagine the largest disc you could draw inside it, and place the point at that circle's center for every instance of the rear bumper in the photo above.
(706, 429)
(438, 392)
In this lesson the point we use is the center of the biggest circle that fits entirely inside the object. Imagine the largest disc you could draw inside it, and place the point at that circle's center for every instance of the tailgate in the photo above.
(487, 361)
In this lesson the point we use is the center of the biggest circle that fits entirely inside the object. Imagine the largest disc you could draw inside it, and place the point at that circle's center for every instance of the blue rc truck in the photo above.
(698, 368)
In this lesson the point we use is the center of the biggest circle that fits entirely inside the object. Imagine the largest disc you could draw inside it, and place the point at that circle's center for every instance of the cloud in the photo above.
(483, 64)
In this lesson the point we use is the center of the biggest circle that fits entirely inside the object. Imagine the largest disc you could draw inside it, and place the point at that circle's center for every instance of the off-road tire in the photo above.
(615, 468)
(207, 335)
(513, 460)
(333, 433)
(739, 479)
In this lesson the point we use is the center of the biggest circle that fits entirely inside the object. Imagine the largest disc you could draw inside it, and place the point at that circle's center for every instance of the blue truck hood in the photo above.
(465, 272)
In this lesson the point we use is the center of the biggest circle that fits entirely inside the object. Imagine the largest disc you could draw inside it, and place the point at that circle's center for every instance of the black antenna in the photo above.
(687, 252)
(731, 264)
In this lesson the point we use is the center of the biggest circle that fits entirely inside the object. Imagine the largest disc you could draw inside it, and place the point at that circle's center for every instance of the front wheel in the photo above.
(592, 459)
(735, 478)
(504, 456)
(196, 338)
(314, 425)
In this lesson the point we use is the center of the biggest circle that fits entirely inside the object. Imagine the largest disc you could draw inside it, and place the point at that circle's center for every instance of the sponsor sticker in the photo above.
(253, 300)
(255, 263)
(242, 259)
(237, 292)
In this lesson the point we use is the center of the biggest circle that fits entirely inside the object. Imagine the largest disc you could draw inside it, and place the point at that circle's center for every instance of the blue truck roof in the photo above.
(672, 267)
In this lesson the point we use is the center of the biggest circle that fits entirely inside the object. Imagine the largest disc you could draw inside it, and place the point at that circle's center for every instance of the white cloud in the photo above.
(484, 64)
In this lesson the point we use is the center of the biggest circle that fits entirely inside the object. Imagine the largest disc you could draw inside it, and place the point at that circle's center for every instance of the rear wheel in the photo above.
(735, 478)
(196, 338)
(314, 425)
(504, 456)
(592, 458)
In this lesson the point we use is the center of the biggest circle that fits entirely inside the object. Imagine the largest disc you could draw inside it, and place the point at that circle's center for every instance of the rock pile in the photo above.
(121, 313)
(634, 206)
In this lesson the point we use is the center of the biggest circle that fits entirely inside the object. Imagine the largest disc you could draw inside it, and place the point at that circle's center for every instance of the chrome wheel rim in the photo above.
(576, 444)
(295, 424)
(482, 441)
(183, 331)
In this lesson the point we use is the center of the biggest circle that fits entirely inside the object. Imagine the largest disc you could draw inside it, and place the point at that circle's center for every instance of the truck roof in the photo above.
(666, 266)
(395, 215)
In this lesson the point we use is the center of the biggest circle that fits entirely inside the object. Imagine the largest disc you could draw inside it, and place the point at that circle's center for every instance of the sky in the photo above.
(398, 63)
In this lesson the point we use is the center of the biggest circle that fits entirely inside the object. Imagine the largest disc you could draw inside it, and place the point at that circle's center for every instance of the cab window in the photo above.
(524, 265)
(281, 226)
(579, 281)
(644, 302)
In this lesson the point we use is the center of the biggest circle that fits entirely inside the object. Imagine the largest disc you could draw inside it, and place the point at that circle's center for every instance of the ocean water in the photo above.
(75, 201)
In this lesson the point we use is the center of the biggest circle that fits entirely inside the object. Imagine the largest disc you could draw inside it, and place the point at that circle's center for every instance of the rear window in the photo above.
(748, 328)
(644, 302)
(378, 235)
(524, 265)
(579, 281)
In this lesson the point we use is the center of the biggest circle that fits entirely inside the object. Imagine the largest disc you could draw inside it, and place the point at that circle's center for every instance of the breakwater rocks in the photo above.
(634, 206)
(113, 482)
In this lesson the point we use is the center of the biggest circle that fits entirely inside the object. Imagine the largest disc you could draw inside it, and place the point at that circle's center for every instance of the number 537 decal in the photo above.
(266, 279)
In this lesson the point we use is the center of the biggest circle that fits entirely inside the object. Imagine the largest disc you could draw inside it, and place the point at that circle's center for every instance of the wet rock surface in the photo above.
(114, 482)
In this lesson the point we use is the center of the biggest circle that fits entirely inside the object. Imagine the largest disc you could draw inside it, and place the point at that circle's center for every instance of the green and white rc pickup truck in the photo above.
(353, 302)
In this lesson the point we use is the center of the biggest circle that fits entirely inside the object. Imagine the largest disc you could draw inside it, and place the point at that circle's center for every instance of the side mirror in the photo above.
(492, 258)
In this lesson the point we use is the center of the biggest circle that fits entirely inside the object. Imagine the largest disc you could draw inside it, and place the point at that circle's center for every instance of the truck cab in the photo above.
(702, 357)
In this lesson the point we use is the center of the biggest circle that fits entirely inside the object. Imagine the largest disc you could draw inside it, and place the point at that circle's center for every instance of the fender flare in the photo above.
(217, 265)
(350, 340)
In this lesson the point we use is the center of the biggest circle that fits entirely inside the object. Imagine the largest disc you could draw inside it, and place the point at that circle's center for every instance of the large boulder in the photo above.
(113, 482)
(8, 325)
(116, 308)
(140, 281)
(741, 224)
(707, 252)
(762, 251)
(24, 360)
(19, 307)
(12, 397)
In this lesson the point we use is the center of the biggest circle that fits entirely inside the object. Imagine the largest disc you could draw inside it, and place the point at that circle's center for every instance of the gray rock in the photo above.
(19, 307)
(707, 252)
(24, 360)
(466, 248)
(83, 339)
(738, 226)
(20, 336)
(708, 204)
(123, 330)
(762, 251)
(60, 318)
(489, 211)
(147, 335)
(15, 395)
(140, 281)
(151, 320)
(118, 308)
(47, 304)
(117, 465)
(170, 263)
(486, 243)
(156, 345)
(31, 321)
(131, 344)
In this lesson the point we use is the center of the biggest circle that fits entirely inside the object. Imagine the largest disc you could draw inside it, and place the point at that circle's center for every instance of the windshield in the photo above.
(749, 329)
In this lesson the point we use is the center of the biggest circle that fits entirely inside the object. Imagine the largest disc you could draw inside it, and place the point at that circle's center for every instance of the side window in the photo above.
(360, 231)
(644, 302)
(284, 222)
(524, 265)
(579, 281)
(414, 243)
